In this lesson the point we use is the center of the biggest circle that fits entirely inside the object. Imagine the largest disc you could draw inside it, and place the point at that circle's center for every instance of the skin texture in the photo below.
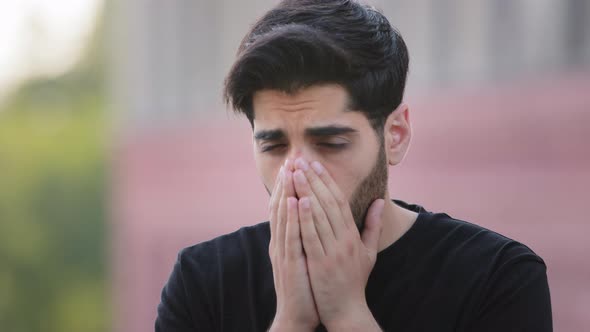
(314, 107)
(295, 307)
(326, 184)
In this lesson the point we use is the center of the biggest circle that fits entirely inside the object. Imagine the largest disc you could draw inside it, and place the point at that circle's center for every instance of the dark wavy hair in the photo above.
(301, 43)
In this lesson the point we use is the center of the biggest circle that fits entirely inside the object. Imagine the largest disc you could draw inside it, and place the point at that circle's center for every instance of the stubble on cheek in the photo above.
(373, 187)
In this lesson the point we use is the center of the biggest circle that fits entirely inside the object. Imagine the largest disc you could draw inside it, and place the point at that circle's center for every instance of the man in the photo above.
(322, 83)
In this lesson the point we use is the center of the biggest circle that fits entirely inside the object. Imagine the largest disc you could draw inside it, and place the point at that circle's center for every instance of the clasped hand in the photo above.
(320, 262)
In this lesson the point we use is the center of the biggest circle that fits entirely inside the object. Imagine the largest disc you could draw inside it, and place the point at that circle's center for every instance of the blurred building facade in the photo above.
(498, 92)
(172, 56)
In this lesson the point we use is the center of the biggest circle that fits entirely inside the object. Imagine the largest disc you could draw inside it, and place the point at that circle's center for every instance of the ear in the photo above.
(397, 134)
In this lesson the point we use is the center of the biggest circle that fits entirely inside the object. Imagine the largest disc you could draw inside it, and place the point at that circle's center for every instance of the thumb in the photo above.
(373, 225)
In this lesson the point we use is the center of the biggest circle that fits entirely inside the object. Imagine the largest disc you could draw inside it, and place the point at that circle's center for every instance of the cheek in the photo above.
(268, 169)
(347, 175)
(348, 172)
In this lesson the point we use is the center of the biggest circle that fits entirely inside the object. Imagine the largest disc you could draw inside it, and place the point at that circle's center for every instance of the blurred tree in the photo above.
(53, 262)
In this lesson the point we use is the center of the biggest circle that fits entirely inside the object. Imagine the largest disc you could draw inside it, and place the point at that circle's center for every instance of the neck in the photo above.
(396, 222)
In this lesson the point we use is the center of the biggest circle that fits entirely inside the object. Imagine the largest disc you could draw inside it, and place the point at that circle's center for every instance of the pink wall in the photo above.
(514, 159)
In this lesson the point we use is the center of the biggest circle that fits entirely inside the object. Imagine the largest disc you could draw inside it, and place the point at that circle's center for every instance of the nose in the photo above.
(295, 152)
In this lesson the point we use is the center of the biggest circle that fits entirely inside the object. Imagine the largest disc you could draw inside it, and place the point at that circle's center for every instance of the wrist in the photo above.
(281, 324)
(286, 327)
(360, 319)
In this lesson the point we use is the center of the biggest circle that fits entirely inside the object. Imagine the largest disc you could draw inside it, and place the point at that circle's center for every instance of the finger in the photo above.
(288, 185)
(311, 241)
(373, 226)
(273, 208)
(342, 202)
(274, 196)
(279, 195)
(321, 222)
(325, 197)
(282, 213)
(293, 246)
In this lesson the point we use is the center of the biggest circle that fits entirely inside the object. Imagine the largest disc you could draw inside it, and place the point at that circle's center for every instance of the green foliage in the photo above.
(52, 213)
(53, 257)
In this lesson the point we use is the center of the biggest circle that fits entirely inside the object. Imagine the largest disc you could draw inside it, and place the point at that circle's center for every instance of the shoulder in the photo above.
(206, 267)
(473, 242)
(226, 249)
(494, 268)
(461, 252)
(202, 271)
(506, 279)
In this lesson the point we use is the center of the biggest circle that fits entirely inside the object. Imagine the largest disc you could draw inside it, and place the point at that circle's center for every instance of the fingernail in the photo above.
(304, 202)
(301, 164)
(299, 177)
(281, 172)
(317, 167)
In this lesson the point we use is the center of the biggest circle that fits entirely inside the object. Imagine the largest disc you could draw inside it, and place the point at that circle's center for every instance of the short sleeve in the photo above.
(179, 310)
(517, 299)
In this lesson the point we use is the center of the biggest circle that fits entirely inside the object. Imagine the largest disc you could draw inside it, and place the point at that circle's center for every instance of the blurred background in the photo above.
(116, 151)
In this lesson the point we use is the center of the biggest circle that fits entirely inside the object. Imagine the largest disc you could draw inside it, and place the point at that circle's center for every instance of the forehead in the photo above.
(317, 103)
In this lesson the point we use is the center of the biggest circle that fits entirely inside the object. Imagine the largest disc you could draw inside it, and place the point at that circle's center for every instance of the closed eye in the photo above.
(335, 146)
(272, 147)
(325, 145)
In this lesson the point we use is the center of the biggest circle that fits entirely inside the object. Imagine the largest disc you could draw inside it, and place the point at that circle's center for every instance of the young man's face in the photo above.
(315, 124)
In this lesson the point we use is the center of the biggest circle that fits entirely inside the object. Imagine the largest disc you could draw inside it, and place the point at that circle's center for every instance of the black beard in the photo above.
(373, 186)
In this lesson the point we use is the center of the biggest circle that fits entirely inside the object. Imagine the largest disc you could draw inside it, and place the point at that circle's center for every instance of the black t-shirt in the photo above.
(443, 274)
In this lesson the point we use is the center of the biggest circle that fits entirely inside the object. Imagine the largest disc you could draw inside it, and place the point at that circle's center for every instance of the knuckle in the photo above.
(332, 204)
(302, 189)
(340, 260)
(291, 256)
(273, 205)
(304, 219)
(315, 182)
(350, 248)
(329, 265)
(341, 202)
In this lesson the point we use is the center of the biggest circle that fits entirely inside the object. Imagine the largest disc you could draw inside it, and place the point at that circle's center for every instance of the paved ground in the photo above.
(515, 160)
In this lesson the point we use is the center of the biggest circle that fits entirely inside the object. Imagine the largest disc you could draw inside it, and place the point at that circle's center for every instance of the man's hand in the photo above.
(339, 260)
(296, 309)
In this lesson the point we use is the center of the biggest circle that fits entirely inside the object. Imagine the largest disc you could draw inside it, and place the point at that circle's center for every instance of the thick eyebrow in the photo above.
(329, 131)
(324, 131)
(269, 135)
